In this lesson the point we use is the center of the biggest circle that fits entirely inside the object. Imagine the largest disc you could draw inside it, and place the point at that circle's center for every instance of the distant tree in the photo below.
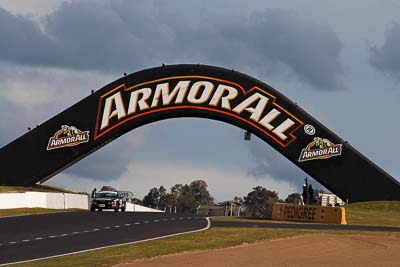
(162, 197)
(200, 192)
(185, 198)
(238, 200)
(186, 202)
(293, 198)
(137, 201)
(152, 199)
(259, 202)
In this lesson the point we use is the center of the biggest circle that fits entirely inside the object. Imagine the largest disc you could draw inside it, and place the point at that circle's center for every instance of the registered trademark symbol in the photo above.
(309, 129)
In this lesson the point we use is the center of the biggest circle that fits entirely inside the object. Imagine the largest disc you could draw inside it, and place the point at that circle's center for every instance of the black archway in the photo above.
(195, 91)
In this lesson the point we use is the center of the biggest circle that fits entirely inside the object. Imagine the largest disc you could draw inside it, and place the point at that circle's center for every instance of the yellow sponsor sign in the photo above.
(308, 213)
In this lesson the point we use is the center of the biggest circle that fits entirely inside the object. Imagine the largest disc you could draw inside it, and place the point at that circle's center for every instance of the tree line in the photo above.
(187, 198)
(180, 198)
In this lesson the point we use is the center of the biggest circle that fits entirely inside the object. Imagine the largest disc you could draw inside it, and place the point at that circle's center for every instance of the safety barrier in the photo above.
(309, 213)
(43, 200)
(138, 208)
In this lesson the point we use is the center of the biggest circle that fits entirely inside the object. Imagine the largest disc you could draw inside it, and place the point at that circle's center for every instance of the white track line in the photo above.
(122, 244)
(96, 229)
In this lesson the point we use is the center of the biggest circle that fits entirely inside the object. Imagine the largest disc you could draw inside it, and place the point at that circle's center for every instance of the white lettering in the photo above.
(119, 109)
(221, 89)
(267, 119)
(255, 112)
(282, 128)
(205, 95)
(135, 101)
(162, 90)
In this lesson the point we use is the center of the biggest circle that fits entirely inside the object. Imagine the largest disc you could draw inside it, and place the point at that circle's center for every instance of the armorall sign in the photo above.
(195, 91)
(255, 107)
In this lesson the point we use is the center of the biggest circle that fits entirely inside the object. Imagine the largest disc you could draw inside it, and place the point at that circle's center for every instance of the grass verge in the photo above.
(29, 211)
(383, 213)
(210, 239)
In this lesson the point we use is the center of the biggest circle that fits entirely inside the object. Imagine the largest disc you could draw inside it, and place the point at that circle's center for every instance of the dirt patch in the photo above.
(308, 250)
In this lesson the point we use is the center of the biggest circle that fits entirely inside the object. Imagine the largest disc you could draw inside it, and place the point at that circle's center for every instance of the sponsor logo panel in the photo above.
(67, 136)
(320, 148)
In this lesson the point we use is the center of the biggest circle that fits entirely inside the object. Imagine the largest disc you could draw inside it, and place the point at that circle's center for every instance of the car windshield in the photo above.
(106, 194)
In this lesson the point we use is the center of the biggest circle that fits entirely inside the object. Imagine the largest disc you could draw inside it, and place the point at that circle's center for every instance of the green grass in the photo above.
(27, 211)
(35, 188)
(210, 239)
(384, 213)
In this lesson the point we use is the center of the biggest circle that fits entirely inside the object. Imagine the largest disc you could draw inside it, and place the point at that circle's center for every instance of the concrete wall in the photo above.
(135, 207)
(43, 200)
(55, 201)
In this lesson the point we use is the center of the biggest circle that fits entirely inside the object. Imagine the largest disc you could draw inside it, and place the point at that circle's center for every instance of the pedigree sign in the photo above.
(308, 213)
(254, 106)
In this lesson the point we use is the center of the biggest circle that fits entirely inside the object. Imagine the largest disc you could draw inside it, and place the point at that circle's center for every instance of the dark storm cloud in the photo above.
(23, 42)
(109, 163)
(11, 128)
(124, 35)
(270, 162)
(387, 57)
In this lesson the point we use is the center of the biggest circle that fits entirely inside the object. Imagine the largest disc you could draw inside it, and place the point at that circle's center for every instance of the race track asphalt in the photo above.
(25, 238)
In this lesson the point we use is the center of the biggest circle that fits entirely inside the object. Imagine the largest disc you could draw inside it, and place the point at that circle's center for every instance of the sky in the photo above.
(338, 60)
